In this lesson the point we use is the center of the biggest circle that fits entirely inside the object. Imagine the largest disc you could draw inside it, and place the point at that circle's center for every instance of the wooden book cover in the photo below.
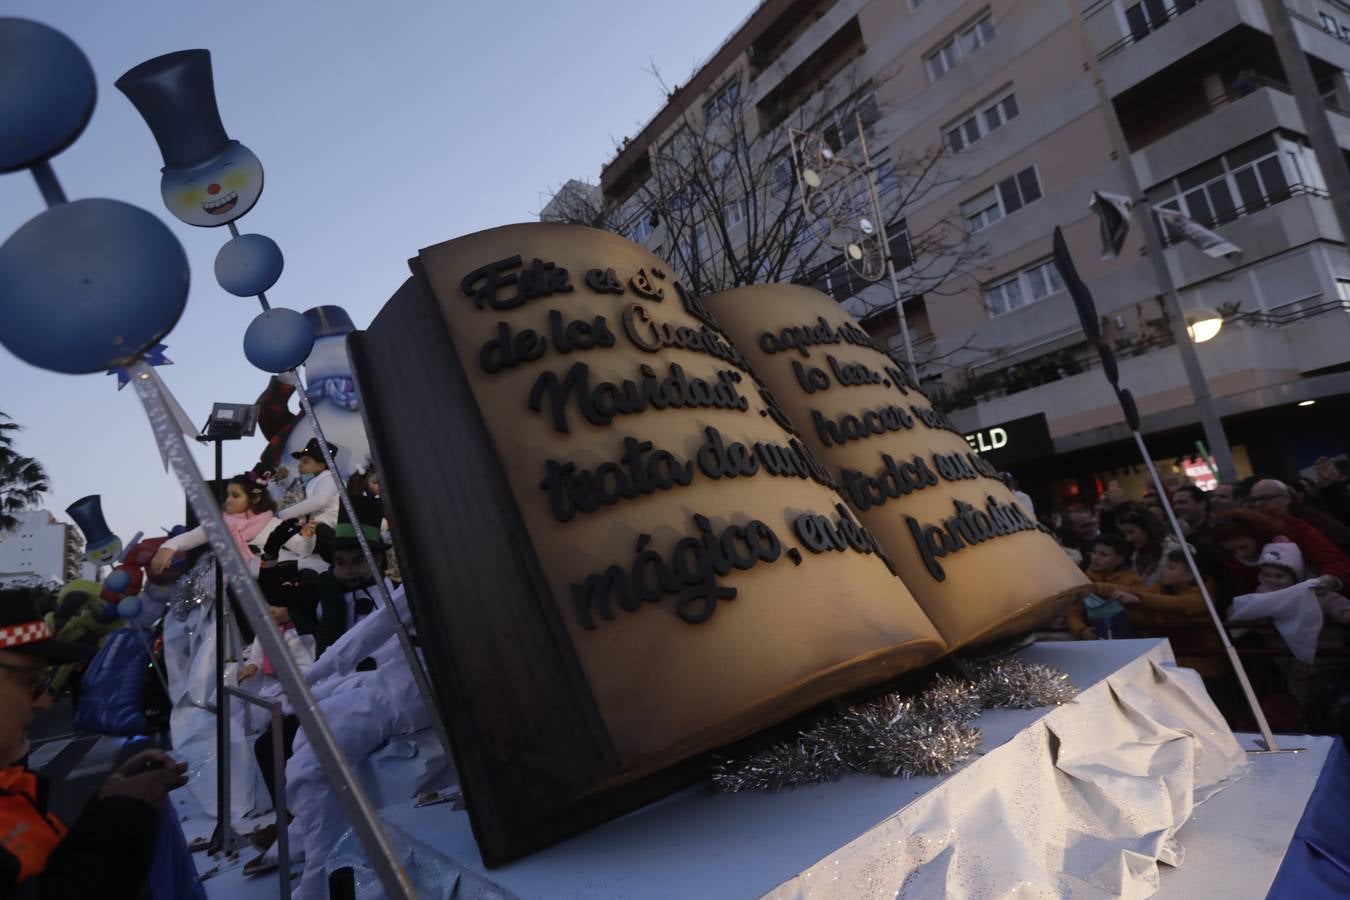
(598, 509)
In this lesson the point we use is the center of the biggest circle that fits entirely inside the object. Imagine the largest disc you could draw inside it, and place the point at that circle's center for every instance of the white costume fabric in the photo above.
(363, 709)
(321, 501)
(1295, 610)
(253, 719)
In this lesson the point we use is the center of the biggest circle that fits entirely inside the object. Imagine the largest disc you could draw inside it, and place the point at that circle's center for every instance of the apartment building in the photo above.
(1005, 87)
(40, 550)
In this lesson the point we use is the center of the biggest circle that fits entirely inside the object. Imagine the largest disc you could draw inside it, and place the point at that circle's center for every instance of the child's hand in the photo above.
(1126, 598)
(246, 672)
(1087, 634)
(308, 530)
(161, 560)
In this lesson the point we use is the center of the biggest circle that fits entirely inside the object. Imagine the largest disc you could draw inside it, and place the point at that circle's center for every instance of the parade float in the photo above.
(713, 601)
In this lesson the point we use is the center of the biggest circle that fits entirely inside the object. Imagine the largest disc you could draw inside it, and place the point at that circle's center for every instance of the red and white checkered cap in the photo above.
(27, 633)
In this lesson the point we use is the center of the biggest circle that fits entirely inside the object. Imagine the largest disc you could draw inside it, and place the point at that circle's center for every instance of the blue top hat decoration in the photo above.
(100, 544)
(208, 180)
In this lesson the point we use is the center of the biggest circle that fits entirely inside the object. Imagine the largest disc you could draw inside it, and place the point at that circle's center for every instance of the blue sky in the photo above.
(382, 127)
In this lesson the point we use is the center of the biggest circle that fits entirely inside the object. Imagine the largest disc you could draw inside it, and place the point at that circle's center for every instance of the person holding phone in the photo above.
(108, 851)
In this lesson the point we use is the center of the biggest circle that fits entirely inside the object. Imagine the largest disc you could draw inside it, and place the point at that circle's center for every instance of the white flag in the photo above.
(1179, 227)
(1113, 215)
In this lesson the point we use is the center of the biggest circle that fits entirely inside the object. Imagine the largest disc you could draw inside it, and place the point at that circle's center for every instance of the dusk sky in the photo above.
(382, 127)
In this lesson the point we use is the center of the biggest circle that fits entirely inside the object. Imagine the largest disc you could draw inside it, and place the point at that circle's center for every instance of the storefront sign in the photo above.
(1009, 443)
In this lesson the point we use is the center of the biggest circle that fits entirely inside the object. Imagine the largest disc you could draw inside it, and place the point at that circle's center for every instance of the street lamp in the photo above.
(1203, 324)
(865, 246)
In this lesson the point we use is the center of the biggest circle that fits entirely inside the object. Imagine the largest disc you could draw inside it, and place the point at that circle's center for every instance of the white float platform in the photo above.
(1234, 842)
(1076, 801)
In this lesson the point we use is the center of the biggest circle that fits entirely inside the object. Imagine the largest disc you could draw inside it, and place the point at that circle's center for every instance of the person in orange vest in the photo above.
(108, 851)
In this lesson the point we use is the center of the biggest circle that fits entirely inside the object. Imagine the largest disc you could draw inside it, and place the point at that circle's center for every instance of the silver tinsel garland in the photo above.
(897, 736)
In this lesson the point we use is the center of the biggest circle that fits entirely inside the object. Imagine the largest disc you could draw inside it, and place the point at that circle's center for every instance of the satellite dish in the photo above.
(855, 252)
(811, 177)
(826, 153)
(865, 225)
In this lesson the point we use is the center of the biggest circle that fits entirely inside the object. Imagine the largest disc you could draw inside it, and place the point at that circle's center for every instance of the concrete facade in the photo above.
(39, 548)
(1199, 93)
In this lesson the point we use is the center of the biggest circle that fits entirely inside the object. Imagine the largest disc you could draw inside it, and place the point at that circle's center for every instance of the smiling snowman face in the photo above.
(215, 192)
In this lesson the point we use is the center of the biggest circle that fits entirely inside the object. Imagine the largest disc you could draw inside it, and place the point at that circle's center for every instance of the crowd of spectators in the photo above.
(1258, 535)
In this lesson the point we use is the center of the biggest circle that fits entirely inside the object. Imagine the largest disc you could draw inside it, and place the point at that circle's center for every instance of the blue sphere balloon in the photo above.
(249, 265)
(118, 581)
(278, 340)
(47, 93)
(89, 286)
(129, 607)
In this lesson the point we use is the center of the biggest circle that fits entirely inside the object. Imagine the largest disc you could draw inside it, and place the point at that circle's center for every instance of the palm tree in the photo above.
(23, 481)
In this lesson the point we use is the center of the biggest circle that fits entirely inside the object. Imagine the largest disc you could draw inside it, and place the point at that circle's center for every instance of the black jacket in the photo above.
(106, 855)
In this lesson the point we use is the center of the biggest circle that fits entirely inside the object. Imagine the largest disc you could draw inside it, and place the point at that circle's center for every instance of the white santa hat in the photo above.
(1284, 554)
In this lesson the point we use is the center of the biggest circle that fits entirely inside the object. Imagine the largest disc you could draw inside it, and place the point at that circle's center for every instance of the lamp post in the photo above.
(228, 422)
(866, 246)
(1195, 375)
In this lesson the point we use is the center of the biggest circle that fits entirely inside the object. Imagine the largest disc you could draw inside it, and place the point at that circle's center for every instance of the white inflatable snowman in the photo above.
(331, 387)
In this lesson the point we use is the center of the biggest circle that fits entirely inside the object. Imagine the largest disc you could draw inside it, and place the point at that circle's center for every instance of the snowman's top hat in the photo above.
(88, 515)
(176, 95)
(329, 321)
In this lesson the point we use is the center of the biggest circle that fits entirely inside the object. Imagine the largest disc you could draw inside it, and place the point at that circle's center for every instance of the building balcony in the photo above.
(774, 72)
(1252, 353)
(1230, 119)
(1163, 32)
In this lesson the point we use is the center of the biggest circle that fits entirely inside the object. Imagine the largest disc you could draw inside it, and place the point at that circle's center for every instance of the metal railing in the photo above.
(1068, 362)
(279, 785)
(1169, 12)
(1216, 220)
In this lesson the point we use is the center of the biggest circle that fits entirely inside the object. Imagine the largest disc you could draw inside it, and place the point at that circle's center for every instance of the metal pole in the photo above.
(1330, 157)
(1261, 722)
(341, 779)
(1195, 376)
(404, 639)
(279, 785)
(223, 840)
(886, 249)
(419, 673)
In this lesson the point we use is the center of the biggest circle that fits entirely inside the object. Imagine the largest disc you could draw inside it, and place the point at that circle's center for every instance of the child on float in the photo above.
(1111, 569)
(250, 517)
(322, 502)
(347, 592)
(257, 674)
